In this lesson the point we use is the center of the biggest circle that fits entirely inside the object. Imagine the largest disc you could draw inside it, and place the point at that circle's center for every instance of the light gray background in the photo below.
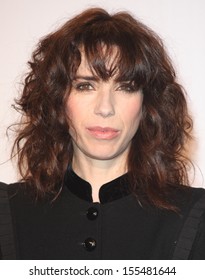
(180, 23)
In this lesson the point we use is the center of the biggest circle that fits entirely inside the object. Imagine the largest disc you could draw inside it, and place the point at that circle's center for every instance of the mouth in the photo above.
(104, 133)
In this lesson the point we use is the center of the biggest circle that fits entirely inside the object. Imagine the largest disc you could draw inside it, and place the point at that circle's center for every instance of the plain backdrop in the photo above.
(180, 23)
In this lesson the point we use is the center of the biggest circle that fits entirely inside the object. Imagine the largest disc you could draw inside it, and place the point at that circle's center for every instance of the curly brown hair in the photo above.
(43, 144)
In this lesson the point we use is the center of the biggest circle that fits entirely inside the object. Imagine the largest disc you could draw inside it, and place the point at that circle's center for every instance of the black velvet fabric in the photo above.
(109, 192)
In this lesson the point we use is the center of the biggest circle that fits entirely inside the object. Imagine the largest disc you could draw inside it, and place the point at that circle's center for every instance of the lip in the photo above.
(105, 133)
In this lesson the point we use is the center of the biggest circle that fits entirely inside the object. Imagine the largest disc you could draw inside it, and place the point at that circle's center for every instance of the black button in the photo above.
(89, 244)
(92, 213)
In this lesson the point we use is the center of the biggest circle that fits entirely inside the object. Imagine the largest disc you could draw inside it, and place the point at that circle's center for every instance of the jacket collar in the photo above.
(113, 190)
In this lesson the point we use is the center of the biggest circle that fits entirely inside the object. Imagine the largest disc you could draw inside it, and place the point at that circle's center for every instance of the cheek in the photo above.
(76, 115)
(133, 115)
(70, 107)
(77, 108)
(74, 111)
(71, 112)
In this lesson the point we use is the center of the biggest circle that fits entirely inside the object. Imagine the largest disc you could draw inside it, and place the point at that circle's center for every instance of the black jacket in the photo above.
(73, 227)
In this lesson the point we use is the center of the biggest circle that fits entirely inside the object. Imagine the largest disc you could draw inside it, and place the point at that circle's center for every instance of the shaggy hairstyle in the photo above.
(156, 160)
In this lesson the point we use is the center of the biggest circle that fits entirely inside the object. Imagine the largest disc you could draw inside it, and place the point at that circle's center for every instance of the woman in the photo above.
(101, 149)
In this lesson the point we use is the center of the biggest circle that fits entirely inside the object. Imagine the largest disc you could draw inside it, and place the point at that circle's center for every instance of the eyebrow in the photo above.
(87, 78)
(95, 78)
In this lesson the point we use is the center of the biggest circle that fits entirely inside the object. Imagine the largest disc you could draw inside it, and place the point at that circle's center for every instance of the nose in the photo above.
(104, 105)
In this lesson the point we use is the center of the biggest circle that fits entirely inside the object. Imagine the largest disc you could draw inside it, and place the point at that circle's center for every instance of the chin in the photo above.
(103, 156)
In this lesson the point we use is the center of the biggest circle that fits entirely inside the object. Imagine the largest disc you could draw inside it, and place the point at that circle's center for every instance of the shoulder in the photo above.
(192, 200)
(3, 187)
(185, 197)
(7, 247)
(13, 188)
(23, 203)
(18, 193)
(192, 235)
(3, 195)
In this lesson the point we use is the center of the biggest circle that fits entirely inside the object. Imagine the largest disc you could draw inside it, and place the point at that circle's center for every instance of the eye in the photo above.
(83, 86)
(127, 87)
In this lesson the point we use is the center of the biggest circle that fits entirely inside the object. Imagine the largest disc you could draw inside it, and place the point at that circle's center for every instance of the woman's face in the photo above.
(103, 116)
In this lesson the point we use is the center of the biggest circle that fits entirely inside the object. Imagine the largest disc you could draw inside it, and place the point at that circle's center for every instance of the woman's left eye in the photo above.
(83, 86)
(128, 88)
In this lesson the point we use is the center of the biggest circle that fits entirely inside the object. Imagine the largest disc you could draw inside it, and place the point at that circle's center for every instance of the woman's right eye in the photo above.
(84, 86)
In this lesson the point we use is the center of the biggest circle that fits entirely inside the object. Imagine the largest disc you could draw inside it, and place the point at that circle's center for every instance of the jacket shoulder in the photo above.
(7, 244)
(191, 242)
(18, 193)
(184, 197)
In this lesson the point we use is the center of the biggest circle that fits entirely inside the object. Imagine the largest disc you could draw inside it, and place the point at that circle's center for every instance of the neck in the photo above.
(98, 172)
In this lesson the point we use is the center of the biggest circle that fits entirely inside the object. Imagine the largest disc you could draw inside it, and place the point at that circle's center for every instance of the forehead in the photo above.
(84, 65)
(104, 64)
